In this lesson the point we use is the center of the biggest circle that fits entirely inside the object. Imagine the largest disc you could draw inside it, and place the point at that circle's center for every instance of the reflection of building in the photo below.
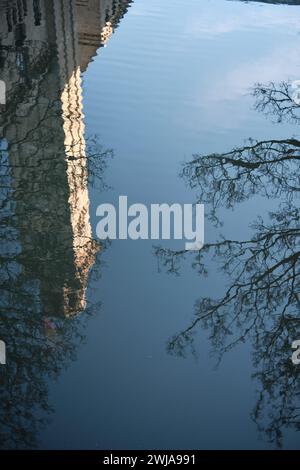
(44, 46)
(97, 21)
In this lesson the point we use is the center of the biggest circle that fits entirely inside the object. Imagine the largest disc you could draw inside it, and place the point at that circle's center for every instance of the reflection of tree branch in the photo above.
(262, 301)
(264, 270)
(267, 168)
(276, 100)
(41, 245)
(36, 350)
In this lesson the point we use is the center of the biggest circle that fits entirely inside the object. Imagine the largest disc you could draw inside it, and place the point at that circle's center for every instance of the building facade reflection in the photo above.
(45, 46)
(46, 243)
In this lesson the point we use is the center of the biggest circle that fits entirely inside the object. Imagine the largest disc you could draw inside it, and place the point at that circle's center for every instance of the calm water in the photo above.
(127, 345)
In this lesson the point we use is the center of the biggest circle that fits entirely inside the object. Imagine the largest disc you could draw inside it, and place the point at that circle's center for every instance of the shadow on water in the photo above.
(262, 300)
(47, 247)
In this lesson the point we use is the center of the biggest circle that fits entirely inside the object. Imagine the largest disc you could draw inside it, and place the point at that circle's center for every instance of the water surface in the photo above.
(99, 349)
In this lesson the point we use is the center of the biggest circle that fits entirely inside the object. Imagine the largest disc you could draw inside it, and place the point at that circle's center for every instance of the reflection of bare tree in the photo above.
(47, 250)
(39, 347)
(276, 100)
(45, 264)
(266, 168)
(262, 301)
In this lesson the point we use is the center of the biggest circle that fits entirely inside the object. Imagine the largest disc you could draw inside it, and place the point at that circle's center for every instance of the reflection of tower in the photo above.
(42, 44)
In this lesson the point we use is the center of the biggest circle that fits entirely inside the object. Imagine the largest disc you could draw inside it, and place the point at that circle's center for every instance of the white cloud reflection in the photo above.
(226, 16)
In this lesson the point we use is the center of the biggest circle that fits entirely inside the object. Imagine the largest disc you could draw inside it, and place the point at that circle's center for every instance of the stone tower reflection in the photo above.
(44, 47)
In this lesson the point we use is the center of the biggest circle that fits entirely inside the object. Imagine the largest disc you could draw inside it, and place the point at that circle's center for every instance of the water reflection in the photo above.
(47, 248)
(262, 300)
(277, 2)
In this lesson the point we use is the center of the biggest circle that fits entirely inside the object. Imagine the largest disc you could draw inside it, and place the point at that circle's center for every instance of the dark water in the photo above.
(127, 345)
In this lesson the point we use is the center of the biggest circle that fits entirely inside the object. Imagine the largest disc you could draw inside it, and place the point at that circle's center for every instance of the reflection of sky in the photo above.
(178, 66)
(218, 18)
(174, 80)
(258, 43)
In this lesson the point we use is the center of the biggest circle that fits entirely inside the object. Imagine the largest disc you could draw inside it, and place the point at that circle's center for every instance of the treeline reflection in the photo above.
(261, 302)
